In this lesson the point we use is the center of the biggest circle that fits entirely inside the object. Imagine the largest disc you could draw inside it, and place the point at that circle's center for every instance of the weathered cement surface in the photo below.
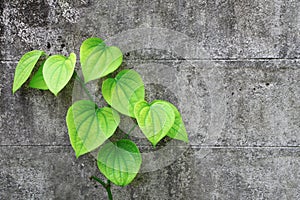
(239, 95)
(210, 173)
(228, 28)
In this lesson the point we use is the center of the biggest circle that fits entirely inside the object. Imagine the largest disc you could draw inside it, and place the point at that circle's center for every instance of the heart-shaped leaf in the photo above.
(89, 126)
(57, 71)
(178, 131)
(38, 81)
(154, 119)
(97, 59)
(124, 91)
(25, 67)
(119, 161)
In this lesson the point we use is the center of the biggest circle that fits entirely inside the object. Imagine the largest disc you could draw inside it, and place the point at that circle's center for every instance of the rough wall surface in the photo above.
(239, 95)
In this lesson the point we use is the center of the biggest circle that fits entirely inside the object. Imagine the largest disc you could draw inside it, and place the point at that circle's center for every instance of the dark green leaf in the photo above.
(178, 131)
(37, 80)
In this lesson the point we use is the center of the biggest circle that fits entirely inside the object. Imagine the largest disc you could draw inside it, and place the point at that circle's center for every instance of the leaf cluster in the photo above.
(89, 126)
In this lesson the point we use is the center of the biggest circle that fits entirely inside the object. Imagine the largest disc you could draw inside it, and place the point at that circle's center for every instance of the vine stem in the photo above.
(77, 77)
(107, 186)
(130, 131)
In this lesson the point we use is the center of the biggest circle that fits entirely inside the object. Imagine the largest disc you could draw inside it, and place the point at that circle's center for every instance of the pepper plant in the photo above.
(90, 126)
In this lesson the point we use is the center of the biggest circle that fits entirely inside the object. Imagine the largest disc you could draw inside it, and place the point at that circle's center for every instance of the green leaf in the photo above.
(124, 91)
(57, 71)
(97, 59)
(120, 161)
(89, 126)
(177, 131)
(37, 80)
(25, 67)
(154, 119)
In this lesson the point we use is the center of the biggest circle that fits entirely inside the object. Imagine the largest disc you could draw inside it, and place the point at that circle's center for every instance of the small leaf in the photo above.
(178, 131)
(37, 80)
(120, 161)
(97, 59)
(57, 71)
(89, 126)
(25, 67)
(155, 119)
(124, 91)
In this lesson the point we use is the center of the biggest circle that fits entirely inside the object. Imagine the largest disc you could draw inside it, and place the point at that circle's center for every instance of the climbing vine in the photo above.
(90, 126)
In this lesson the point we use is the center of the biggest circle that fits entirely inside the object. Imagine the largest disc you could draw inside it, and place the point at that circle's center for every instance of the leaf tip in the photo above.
(186, 140)
(54, 92)
(154, 144)
(15, 87)
(78, 154)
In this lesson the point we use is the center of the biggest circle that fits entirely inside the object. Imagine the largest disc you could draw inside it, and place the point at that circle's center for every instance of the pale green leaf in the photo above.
(154, 119)
(97, 60)
(178, 131)
(37, 80)
(25, 67)
(119, 161)
(89, 126)
(57, 71)
(124, 91)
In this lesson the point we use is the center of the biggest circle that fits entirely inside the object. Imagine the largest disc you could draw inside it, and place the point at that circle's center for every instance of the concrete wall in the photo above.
(231, 66)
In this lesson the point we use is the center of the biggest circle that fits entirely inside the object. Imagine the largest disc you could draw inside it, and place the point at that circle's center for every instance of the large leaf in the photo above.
(97, 59)
(89, 126)
(119, 161)
(124, 91)
(57, 71)
(38, 81)
(177, 131)
(25, 67)
(154, 119)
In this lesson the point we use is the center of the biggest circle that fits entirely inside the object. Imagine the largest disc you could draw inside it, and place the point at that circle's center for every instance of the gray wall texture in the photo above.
(237, 87)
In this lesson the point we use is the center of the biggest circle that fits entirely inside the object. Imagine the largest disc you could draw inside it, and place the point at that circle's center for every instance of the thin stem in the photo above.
(105, 185)
(99, 181)
(132, 129)
(109, 190)
(83, 86)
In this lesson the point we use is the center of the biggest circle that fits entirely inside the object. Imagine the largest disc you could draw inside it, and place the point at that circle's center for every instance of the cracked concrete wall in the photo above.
(236, 83)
